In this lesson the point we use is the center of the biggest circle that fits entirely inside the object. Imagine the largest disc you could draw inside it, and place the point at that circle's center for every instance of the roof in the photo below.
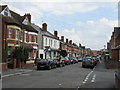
(29, 28)
(17, 16)
(45, 33)
(10, 20)
(2, 7)
(37, 27)
(20, 20)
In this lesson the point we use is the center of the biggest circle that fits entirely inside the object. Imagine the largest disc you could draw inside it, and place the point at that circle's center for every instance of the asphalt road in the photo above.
(70, 76)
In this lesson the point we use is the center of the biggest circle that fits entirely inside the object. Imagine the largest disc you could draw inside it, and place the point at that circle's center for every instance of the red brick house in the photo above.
(17, 31)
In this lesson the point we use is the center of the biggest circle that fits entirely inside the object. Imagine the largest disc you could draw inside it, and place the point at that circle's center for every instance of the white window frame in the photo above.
(17, 34)
(10, 32)
(35, 38)
(30, 38)
(46, 41)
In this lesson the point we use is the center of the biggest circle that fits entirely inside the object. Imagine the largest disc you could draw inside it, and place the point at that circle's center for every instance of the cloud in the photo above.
(60, 0)
(93, 34)
(97, 34)
(90, 33)
(39, 9)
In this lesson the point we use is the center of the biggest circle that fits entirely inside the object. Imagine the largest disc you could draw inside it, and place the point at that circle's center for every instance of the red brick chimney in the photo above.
(62, 38)
(80, 45)
(28, 16)
(70, 42)
(44, 27)
(55, 33)
(66, 40)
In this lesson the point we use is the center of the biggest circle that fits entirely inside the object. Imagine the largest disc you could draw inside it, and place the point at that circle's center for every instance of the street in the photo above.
(70, 76)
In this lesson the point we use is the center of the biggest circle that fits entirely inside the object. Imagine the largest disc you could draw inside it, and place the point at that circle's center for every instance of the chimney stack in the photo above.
(70, 42)
(79, 45)
(28, 16)
(66, 40)
(55, 33)
(44, 27)
(62, 38)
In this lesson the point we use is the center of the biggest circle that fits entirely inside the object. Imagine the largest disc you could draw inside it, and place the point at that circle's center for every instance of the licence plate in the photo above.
(41, 66)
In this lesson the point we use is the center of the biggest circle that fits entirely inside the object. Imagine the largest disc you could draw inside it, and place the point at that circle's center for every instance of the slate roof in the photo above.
(29, 28)
(10, 20)
(45, 33)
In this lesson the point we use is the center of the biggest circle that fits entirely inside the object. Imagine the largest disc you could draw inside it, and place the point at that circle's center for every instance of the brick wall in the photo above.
(3, 67)
(115, 54)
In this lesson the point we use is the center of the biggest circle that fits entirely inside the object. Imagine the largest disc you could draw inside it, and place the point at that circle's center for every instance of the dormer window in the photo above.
(26, 21)
(6, 12)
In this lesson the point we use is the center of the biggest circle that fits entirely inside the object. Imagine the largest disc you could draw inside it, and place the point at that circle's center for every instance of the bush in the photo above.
(21, 53)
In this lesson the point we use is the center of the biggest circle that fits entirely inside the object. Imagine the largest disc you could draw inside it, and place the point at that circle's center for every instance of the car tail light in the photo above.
(46, 63)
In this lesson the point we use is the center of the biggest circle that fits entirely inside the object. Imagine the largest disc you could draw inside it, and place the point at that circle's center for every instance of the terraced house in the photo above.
(48, 42)
(72, 49)
(17, 31)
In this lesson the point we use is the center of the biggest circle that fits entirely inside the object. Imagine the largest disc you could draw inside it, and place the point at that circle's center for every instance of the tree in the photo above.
(21, 53)
(63, 53)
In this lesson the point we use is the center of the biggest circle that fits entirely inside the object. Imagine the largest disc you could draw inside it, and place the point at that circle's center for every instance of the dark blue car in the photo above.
(88, 62)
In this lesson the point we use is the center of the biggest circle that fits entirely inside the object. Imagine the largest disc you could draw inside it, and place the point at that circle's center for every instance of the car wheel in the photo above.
(55, 66)
(92, 67)
(61, 65)
(38, 68)
(49, 67)
(83, 66)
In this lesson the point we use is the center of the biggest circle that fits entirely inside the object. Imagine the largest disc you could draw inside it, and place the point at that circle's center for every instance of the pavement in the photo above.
(17, 71)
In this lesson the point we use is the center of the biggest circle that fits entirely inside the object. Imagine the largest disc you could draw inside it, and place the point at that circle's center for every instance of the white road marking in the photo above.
(60, 84)
(87, 77)
(83, 82)
(93, 79)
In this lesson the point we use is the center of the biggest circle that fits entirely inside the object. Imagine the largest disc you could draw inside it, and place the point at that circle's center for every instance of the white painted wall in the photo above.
(55, 43)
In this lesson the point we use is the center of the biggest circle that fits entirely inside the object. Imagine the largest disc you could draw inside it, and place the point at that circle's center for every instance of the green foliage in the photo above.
(5, 53)
(21, 53)
(63, 53)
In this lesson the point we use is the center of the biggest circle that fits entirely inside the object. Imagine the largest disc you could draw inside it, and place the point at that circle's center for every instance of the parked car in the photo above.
(71, 60)
(46, 64)
(88, 62)
(95, 60)
(80, 59)
(66, 60)
(59, 63)
(75, 60)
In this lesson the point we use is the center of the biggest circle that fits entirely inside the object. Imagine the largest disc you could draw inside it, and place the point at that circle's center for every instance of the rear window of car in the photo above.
(42, 60)
(70, 58)
(62, 58)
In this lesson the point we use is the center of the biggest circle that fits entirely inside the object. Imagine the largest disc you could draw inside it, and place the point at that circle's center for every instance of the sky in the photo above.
(88, 22)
